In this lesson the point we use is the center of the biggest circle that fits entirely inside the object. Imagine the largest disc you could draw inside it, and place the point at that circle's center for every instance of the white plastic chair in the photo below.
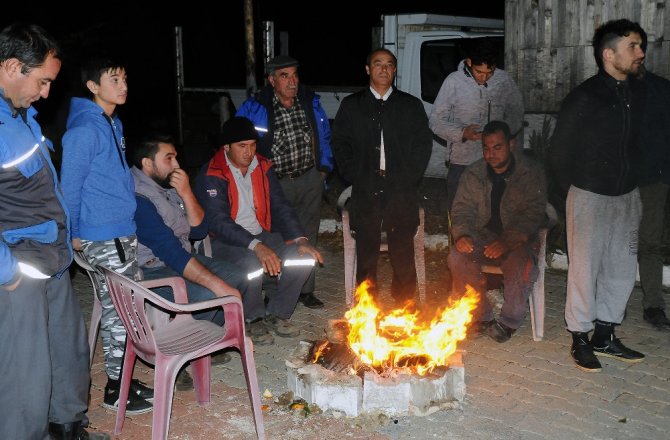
(350, 251)
(536, 298)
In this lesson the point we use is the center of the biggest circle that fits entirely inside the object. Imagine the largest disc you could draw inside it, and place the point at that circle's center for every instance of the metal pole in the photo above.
(251, 46)
(180, 82)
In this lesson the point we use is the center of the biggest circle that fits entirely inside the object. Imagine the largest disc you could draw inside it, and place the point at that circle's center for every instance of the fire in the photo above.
(400, 339)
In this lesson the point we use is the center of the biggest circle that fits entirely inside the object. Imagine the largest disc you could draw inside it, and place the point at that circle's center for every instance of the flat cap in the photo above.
(279, 62)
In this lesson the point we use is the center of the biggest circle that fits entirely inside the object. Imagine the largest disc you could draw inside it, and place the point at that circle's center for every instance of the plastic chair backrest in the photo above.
(183, 339)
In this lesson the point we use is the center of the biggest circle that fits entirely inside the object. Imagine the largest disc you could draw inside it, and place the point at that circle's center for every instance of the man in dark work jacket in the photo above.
(382, 143)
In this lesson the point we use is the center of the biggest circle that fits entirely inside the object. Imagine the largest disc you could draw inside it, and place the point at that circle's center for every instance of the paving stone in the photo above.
(517, 390)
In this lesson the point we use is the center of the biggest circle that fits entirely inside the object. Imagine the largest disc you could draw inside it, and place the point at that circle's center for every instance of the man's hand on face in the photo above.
(270, 261)
(179, 181)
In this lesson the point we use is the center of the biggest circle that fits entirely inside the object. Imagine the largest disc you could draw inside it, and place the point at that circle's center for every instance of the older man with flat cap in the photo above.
(255, 227)
(294, 133)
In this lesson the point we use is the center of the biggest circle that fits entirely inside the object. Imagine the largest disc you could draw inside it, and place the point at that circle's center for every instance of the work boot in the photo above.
(259, 333)
(656, 317)
(310, 301)
(582, 353)
(604, 343)
(478, 328)
(282, 327)
(74, 431)
(184, 381)
(499, 332)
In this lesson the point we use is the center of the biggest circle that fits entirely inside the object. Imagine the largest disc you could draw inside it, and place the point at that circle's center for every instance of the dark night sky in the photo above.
(331, 46)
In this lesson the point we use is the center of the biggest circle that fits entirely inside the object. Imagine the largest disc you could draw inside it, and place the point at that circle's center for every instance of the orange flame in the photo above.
(389, 341)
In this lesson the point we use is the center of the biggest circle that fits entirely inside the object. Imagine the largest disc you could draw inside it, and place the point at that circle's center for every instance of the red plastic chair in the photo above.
(97, 307)
(171, 345)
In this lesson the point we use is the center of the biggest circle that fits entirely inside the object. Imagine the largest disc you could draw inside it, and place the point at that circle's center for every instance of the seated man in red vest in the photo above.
(254, 226)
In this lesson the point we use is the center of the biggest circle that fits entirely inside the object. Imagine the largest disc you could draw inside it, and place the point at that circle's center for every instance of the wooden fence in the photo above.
(548, 43)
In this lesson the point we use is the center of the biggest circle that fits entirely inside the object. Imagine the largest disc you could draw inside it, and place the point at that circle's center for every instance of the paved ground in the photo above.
(517, 390)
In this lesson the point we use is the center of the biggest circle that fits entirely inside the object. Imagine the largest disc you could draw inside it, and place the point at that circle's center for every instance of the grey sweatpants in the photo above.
(120, 257)
(602, 233)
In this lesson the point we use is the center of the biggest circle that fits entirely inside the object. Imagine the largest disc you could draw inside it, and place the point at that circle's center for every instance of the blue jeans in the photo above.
(519, 268)
(228, 272)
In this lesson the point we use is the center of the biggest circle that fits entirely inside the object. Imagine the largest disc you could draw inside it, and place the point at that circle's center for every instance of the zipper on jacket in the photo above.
(120, 148)
(625, 113)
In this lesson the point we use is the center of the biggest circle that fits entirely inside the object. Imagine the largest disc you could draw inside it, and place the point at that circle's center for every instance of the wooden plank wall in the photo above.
(548, 43)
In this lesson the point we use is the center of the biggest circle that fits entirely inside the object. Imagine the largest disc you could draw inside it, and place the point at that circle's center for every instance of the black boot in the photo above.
(74, 431)
(606, 344)
(582, 353)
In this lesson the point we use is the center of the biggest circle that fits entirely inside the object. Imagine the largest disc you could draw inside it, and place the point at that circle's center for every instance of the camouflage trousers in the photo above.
(118, 255)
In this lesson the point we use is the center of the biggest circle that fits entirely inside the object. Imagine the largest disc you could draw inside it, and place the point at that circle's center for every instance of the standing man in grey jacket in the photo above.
(470, 97)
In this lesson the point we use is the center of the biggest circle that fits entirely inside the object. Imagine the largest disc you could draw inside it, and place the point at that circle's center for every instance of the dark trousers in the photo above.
(650, 251)
(304, 193)
(400, 245)
(44, 358)
(282, 291)
(519, 270)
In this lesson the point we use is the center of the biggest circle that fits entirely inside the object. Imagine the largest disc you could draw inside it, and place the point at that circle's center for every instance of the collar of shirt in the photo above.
(378, 96)
(246, 213)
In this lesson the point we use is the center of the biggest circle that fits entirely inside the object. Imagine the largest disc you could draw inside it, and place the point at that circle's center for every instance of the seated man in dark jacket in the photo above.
(254, 226)
(499, 208)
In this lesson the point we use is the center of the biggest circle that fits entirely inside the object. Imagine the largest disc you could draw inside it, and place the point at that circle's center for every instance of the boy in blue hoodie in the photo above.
(99, 192)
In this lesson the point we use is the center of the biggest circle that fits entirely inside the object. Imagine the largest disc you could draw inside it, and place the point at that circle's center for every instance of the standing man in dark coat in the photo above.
(382, 143)
(595, 155)
(654, 185)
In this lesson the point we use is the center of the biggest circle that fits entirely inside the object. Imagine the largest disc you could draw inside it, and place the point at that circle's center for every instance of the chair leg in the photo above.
(536, 299)
(349, 260)
(94, 327)
(536, 302)
(164, 379)
(126, 377)
(202, 379)
(419, 256)
(249, 366)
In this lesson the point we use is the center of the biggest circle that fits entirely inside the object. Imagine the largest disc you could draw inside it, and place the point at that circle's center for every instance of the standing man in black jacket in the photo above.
(382, 143)
(654, 184)
(594, 155)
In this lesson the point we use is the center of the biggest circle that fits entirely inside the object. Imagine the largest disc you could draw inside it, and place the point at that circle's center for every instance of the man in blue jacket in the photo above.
(294, 133)
(44, 371)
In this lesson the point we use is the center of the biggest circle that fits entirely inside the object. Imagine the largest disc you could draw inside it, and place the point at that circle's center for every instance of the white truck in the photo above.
(428, 48)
